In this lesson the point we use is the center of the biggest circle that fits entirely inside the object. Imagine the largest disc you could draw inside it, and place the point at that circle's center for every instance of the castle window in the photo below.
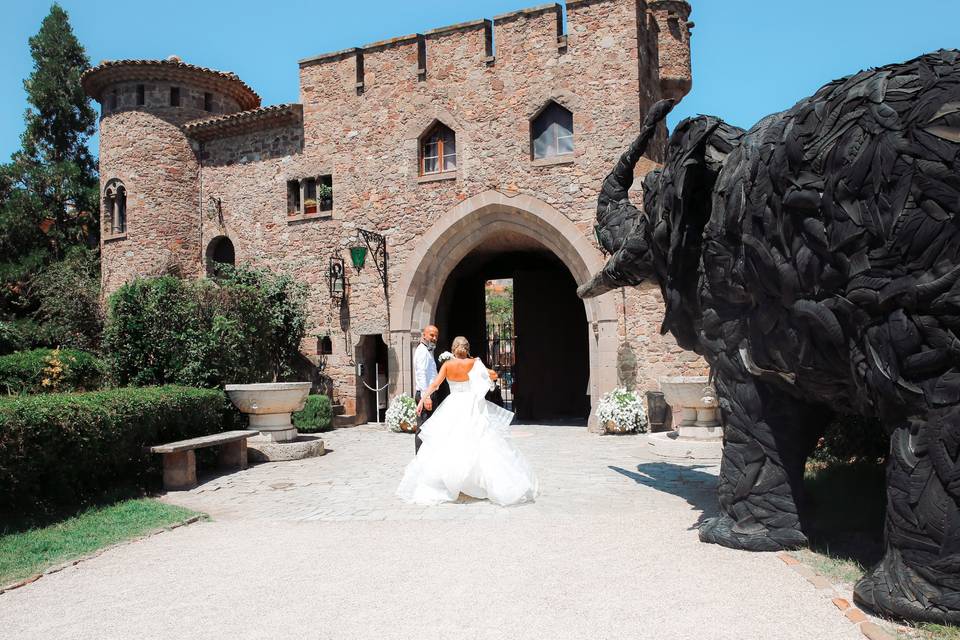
(325, 193)
(551, 132)
(293, 197)
(115, 206)
(310, 195)
(174, 96)
(208, 101)
(141, 95)
(438, 150)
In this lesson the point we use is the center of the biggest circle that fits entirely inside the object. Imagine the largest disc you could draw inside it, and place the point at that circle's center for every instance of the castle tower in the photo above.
(149, 170)
(673, 20)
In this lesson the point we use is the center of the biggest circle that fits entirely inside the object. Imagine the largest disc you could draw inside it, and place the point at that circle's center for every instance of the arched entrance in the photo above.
(543, 326)
(220, 251)
(496, 224)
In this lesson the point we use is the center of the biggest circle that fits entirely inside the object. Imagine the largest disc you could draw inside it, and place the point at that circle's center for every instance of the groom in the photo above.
(424, 371)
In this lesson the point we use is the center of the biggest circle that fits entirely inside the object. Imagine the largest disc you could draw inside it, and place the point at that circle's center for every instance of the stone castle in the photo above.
(469, 152)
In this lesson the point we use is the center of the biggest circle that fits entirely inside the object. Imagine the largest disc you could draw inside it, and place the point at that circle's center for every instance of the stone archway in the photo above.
(466, 227)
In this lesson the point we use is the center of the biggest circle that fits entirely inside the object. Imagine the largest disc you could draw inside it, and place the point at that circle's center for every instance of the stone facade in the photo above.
(360, 118)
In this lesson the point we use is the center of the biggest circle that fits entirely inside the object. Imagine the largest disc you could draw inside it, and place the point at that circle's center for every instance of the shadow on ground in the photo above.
(698, 488)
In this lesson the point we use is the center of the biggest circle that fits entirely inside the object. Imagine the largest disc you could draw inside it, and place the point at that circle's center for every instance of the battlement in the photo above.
(528, 37)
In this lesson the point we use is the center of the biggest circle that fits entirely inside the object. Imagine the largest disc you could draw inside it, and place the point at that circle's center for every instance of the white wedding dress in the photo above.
(465, 450)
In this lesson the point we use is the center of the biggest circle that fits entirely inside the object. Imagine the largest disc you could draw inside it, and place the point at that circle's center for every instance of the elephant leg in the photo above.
(768, 435)
(919, 576)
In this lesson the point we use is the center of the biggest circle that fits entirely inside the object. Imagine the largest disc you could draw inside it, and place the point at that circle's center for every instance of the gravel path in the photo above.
(321, 549)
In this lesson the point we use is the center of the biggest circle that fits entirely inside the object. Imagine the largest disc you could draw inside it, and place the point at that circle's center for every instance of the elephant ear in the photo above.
(678, 203)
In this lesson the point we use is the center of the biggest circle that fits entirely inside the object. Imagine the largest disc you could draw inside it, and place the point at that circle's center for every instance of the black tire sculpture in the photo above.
(814, 261)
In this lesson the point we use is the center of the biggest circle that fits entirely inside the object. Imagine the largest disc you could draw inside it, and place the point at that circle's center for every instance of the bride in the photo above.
(464, 445)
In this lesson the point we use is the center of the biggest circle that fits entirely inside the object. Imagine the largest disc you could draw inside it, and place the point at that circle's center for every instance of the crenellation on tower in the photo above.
(673, 46)
(529, 37)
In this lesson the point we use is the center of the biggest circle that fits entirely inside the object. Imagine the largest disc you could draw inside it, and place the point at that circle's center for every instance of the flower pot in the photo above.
(309, 208)
(613, 427)
(326, 204)
(406, 427)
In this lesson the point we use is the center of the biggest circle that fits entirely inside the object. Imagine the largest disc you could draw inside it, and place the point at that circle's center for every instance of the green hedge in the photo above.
(66, 449)
(50, 370)
(316, 415)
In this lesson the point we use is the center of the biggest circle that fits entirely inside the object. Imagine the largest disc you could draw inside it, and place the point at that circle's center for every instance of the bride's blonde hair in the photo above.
(461, 347)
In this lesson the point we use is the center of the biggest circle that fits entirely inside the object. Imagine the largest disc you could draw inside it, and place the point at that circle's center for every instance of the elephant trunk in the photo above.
(621, 228)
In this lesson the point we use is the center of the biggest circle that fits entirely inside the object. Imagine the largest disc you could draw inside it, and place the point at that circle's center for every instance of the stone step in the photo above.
(345, 420)
(338, 409)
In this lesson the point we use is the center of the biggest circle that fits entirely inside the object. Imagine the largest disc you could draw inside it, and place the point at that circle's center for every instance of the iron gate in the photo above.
(501, 351)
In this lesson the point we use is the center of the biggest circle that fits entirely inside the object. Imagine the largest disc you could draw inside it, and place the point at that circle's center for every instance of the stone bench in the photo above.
(180, 462)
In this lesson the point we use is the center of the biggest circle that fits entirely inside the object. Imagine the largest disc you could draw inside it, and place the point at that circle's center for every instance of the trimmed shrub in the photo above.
(316, 416)
(244, 327)
(50, 370)
(67, 449)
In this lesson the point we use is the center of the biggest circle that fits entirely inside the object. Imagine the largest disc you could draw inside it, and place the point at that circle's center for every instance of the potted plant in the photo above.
(402, 414)
(309, 206)
(325, 195)
(621, 411)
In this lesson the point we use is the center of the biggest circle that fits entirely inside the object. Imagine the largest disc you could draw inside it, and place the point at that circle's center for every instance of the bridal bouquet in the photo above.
(621, 411)
(401, 415)
(443, 357)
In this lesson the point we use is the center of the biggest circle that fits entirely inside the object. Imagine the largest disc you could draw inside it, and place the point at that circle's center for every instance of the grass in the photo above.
(844, 520)
(843, 517)
(929, 631)
(26, 553)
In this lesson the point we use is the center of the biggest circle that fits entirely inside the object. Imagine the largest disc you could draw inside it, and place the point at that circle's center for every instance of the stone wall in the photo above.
(158, 168)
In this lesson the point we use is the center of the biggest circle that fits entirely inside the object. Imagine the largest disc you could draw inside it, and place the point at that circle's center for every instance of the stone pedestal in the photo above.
(269, 406)
(694, 400)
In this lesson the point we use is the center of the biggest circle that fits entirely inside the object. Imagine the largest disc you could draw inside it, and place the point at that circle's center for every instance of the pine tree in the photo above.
(49, 193)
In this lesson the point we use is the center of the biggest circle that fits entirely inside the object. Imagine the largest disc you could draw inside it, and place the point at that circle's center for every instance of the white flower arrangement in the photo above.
(402, 410)
(443, 357)
(621, 411)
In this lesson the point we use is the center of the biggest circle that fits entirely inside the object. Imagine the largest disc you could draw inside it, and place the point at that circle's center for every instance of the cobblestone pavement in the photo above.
(321, 549)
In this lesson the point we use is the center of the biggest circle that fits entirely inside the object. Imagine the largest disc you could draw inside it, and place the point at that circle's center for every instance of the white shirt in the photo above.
(424, 367)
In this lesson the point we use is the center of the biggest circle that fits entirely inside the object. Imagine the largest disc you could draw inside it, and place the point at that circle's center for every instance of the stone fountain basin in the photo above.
(269, 397)
(685, 391)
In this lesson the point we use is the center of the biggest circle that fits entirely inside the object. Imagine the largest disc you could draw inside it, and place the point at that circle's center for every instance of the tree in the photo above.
(49, 193)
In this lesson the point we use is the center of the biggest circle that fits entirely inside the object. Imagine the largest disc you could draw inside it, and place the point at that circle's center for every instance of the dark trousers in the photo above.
(424, 415)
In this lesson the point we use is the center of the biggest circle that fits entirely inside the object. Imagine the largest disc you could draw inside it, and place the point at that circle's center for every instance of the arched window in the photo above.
(220, 251)
(115, 206)
(438, 150)
(551, 132)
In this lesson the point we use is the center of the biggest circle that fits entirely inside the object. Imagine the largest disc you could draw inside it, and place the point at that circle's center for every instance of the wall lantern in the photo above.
(336, 277)
(358, 255)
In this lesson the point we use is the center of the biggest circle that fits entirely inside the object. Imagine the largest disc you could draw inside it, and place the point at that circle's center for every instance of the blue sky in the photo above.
(750, 57)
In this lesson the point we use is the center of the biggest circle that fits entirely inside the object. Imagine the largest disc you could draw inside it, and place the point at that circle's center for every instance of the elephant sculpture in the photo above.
(814, 262)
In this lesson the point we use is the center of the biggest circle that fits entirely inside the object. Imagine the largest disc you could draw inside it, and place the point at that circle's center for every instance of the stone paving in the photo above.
(580, 474)
(321, 549)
